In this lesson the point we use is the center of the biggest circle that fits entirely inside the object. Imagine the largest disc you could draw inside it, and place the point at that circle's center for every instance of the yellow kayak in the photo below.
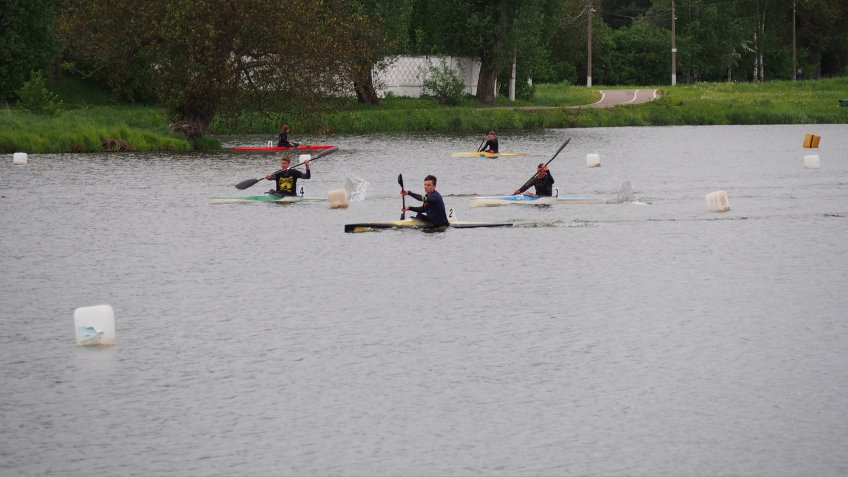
(413, 223)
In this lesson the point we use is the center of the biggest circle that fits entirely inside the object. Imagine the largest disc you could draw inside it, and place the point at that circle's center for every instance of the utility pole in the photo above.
(589, 48)
(673, 48)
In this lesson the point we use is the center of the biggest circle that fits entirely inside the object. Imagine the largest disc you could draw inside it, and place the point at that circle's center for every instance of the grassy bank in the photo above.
(778, 102)
(99, 128)
(88, 124)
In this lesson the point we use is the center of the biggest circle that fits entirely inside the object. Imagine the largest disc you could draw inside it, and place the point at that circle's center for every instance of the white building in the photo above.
(405, 76)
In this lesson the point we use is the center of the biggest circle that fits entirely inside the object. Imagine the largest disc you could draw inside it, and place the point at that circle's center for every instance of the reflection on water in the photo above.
(644, 335)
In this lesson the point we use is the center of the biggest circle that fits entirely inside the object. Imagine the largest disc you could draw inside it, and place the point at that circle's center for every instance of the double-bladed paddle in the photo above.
(480, 147)
(245, 184)
(527, 184)
(403, 197)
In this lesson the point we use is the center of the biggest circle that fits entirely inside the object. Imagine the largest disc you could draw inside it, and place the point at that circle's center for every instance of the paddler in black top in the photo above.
(433, 208)
(543, 181)
(491, 143)
(284, 136)
(285, 180)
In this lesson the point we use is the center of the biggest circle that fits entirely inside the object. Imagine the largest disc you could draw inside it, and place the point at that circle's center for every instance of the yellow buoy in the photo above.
(811, 141)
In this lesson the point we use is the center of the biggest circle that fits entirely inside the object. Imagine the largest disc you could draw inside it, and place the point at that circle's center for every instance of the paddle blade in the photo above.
(403, 198)
(326, 152)
(559, 150)
(245, 184)
(323, 153)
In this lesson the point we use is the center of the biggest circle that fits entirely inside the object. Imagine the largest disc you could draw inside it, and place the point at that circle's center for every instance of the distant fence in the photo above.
(406, 75)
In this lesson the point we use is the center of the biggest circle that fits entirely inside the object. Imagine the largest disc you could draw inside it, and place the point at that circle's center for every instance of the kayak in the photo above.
(266, 198)
(491, 201)
(491, 155)
(413, 223)
(302, 147)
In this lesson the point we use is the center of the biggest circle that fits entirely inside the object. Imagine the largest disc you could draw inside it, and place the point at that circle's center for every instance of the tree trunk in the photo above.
(195, 117)
(486, 84)
(363, 84)
(490, 58)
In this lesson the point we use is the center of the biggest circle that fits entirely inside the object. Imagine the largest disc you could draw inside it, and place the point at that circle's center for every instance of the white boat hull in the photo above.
(521, 199)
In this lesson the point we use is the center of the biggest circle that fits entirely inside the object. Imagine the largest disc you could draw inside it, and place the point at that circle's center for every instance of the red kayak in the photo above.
(302, 147)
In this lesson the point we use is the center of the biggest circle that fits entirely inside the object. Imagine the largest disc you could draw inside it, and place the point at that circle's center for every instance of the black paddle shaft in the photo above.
(249, 182)
(530, 181)
(403, 197)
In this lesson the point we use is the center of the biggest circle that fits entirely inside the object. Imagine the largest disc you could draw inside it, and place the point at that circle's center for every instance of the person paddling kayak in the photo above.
(433, 208)
(284, 137)
(491, 143)
(285, 180)
(543, 181)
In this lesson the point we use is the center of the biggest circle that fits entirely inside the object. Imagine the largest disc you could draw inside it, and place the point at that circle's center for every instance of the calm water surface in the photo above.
(643, 337)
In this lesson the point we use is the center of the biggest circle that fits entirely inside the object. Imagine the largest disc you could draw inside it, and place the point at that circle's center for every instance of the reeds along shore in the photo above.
(144, 128)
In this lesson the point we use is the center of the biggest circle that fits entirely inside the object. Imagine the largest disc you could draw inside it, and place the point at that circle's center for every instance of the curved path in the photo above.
(609, 98)
(617, 97)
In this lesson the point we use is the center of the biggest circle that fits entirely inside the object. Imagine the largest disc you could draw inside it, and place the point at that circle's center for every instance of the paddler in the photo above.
(433, 208)
(491, 143)
(285, 180)
(543, 181)
(285, 129)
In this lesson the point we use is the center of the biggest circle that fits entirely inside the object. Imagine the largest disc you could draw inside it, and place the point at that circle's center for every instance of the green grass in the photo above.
(99, 128)
(775, 102)
(89, 123)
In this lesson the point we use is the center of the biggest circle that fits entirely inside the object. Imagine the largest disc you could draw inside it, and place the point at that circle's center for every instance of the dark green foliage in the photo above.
(36, 98)
(26, 41)
(443, 83)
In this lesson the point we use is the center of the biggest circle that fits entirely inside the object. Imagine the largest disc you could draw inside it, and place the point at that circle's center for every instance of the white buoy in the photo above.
(593, 160)
(95, 325)
(338, 199)
(812, 161)
(270, 143)
(20, 158)
(717, 201)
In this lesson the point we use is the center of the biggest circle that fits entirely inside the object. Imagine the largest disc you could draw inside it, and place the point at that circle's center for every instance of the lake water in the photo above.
(643, 337)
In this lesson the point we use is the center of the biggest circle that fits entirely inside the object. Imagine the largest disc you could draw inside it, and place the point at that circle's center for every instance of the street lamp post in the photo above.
(589, 48)
(673, 49)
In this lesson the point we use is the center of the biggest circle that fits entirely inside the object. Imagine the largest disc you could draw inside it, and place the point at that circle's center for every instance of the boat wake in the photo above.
(557, 224)
(356, 188)
(626, 196)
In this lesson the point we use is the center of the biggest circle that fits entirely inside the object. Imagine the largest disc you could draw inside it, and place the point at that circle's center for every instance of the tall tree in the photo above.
(26, 41)
(386, 24)
(490, 28)
(206, 56)
(823, 34)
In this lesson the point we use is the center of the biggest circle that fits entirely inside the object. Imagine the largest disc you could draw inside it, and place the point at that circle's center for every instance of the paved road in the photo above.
(616, 97)
(609, 98)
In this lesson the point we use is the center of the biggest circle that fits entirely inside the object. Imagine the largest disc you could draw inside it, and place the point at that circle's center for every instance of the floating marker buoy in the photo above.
(270, 143)
(593, 160)
(811, 141)
(95, 325)
(717, 201)
(812, 161)
(337, 199)
(20, 158)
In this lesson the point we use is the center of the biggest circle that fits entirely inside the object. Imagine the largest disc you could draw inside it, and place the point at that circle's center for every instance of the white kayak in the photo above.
(492, 201)
(266, 198)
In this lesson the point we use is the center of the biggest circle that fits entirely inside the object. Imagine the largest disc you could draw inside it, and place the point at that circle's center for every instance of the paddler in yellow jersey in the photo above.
(285, 180)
